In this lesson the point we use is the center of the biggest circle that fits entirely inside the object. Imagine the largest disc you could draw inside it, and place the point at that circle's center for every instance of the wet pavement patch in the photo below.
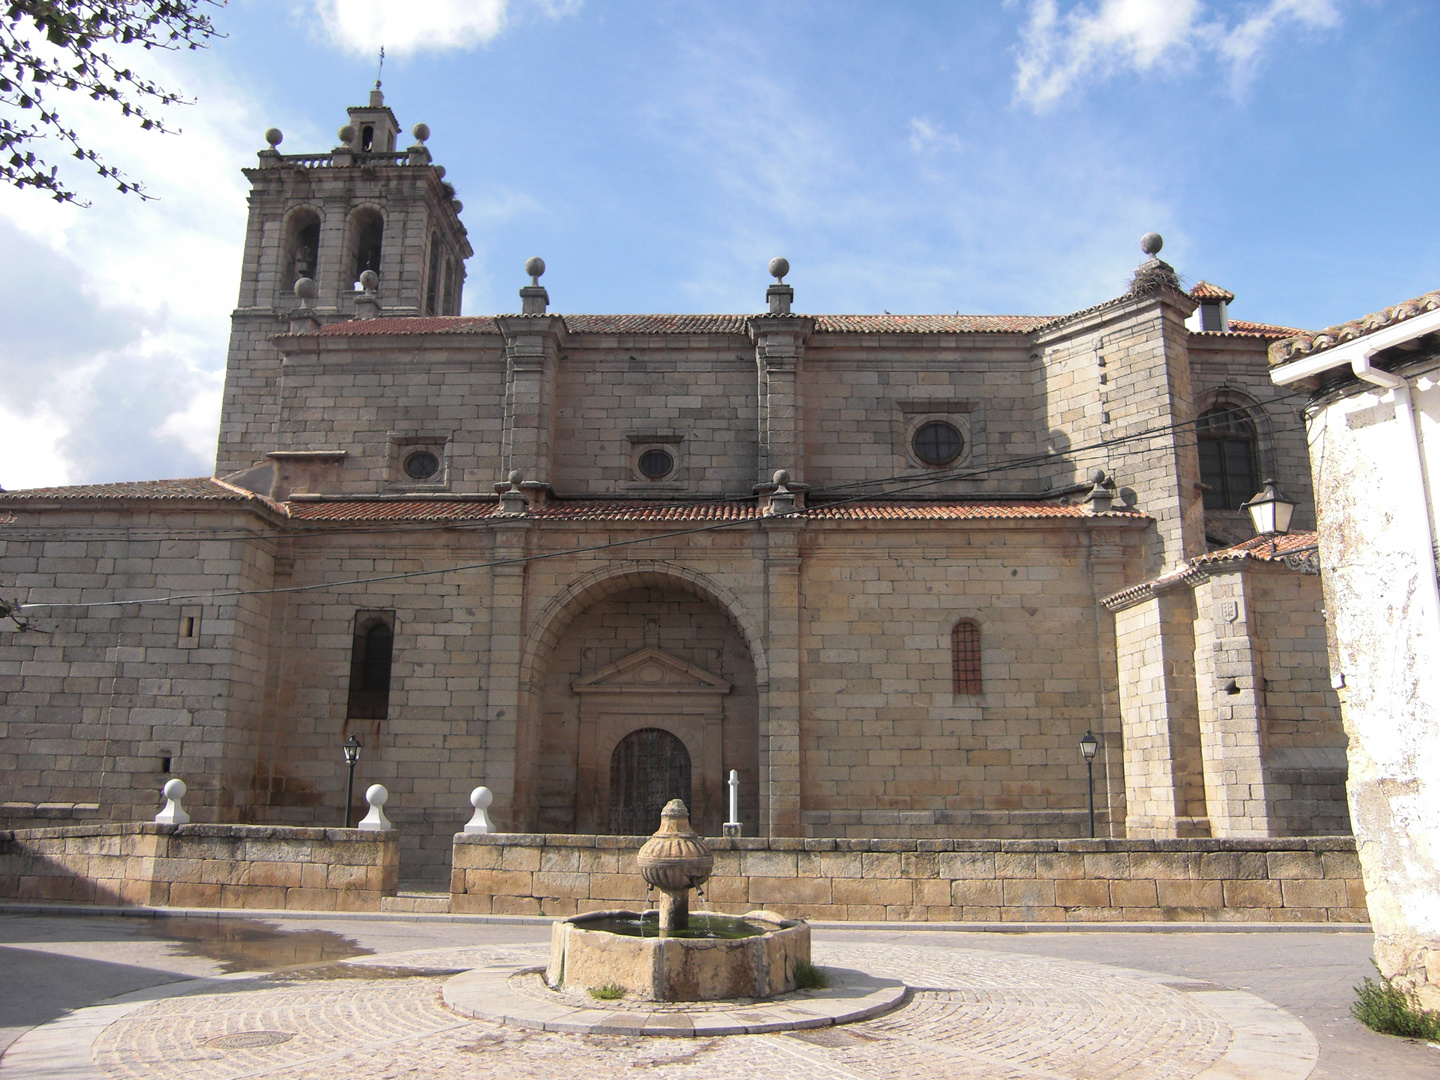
(360, 971)
(251, 945)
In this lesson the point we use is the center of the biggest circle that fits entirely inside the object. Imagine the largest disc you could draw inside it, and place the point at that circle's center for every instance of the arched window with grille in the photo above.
(370, 660)
(1229, 456)
(965, 657)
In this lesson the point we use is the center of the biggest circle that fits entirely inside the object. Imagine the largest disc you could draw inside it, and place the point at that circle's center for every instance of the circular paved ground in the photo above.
(972, 1015)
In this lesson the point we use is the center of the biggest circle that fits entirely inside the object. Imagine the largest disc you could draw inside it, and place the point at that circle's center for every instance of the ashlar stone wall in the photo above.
(1314, 880)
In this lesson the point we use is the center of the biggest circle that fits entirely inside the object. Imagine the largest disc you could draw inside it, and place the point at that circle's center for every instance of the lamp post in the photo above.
(1088, 745)
(1270, 511)
(351, 746)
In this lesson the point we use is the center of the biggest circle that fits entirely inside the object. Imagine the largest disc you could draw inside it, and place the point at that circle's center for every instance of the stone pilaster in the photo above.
(779, 352)
(532, 356)
(780, 701)
(1155, 647)
(505, 758)
(1230, 692)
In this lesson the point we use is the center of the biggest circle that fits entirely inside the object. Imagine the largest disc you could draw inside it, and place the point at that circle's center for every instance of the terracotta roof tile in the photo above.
(1304, 343)
(199, 487)
(696, 512)
(392, 509)
(1260, 329)
(737, 325)
(1203, 290)
(929, 324)
(1263, 548)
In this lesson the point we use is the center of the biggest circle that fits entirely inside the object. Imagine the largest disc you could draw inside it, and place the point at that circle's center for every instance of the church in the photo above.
(890, 570)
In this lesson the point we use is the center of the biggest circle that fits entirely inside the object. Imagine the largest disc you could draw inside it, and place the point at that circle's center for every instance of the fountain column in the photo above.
(675, 860)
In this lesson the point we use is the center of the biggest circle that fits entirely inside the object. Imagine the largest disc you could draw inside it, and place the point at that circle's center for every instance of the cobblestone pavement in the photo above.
(974, 1015)
(1010, 1005)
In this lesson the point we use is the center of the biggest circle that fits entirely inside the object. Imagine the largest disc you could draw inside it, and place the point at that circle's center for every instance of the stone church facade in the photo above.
(887, 568)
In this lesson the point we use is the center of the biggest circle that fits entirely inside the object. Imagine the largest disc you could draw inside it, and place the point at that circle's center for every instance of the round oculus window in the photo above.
(421, 465)
(656, 464)
(937, 443)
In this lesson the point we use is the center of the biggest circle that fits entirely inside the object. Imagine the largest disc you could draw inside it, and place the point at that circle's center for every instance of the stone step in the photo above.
(431, 902)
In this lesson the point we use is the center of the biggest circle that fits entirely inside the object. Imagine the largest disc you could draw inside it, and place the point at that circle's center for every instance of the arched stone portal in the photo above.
(652, 657)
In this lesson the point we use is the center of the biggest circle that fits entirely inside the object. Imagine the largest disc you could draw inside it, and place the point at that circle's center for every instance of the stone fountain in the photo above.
(674, 956)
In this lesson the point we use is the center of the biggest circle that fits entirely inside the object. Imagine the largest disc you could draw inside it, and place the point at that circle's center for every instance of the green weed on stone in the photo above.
(1384, 1007)
(809, 977)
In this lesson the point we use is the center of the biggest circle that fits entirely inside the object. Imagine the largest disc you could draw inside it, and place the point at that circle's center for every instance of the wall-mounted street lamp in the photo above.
(1088, 745)
(351, 746)
(1270, 511)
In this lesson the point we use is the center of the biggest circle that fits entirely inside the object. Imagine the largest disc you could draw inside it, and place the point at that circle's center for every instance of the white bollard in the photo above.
(732, 827)
(480, 822)
(375, 820)
(174, 813)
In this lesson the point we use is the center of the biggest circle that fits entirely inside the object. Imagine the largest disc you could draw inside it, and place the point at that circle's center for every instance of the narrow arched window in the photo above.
(370, 659)
(432, 285)
(1229, 455)
(965, 657)
(302, 247)
(368, 231)
(452, 275)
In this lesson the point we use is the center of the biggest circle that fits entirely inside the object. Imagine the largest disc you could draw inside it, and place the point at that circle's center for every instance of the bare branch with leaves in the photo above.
(48, 46)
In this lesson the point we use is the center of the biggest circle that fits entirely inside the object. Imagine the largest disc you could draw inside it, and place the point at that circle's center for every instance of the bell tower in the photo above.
(364, 230)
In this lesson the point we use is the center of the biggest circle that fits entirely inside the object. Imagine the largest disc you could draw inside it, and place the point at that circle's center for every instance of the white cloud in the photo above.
(1059, 53)
(361, 26)
(929, 137)
(117, 316)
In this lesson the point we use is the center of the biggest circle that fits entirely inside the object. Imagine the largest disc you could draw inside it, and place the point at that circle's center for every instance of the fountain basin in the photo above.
(677, 968)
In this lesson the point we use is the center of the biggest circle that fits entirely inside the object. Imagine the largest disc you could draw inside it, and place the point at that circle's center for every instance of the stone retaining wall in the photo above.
(1313, 879)
(229, 866)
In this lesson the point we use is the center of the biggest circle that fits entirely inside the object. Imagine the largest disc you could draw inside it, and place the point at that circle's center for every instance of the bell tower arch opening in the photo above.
(367, 232)
(302, 247)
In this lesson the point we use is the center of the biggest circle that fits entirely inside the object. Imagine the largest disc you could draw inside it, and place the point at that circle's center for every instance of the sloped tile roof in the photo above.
(697, 512)
(737, 325)
(1192, 573)
(199, 487)
(392, 509)
(1260, 329)
(1261, 548)
(1305, 342)
(929, 324)
(1203, 290)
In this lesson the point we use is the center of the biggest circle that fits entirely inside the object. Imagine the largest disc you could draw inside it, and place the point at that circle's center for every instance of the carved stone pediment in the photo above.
(651, 671)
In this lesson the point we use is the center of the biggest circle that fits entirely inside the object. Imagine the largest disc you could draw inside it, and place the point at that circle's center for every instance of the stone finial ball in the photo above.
(421, 132)
(347, 134)
(535, 266)
(274, 136)
(457, 206)
(306, 289)
(481, 797)
(376, 795)
(439, 172)
(515, 477)
(174, 789)
(369, 280)
(779, 267)
(1151, 243)
(1098, 476)
(782, 476)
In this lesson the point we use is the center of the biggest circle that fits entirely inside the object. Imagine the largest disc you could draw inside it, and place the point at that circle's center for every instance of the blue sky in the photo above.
(910, 157)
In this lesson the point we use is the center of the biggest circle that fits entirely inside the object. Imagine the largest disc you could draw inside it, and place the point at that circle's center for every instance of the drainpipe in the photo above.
(1405, 412)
